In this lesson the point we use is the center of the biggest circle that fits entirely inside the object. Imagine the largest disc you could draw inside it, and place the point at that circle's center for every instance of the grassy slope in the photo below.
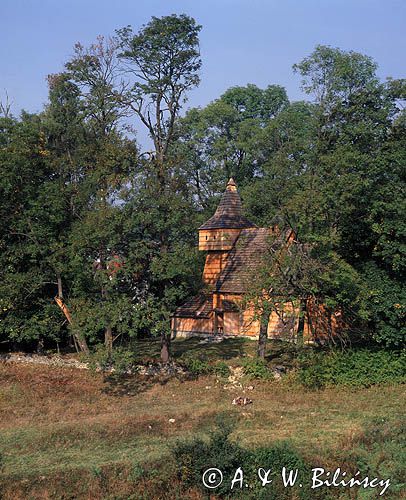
(53, 421)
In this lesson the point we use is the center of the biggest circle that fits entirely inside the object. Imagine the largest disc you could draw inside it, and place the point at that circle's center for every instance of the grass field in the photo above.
(69, 433)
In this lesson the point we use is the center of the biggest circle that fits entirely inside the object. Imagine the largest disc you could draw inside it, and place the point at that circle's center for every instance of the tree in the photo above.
(162, 62)
(32, 214)
(354, 114)
(350, 168)
(100, 163)
(295, 280)
(328, 166)
(96, 73)
(221, 140)
(5, 107)
(64, 123)
(288, 170)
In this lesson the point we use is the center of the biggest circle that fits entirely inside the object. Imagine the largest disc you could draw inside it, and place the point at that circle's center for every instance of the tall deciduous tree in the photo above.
(328, 174)
(162, 62)
(103, 163)
(32, 214)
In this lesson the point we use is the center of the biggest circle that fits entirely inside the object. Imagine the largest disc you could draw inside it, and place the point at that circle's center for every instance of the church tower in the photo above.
(218, 235)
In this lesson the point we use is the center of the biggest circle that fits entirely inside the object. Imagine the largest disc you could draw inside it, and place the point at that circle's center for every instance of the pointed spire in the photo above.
(229, 212)
(231, 185)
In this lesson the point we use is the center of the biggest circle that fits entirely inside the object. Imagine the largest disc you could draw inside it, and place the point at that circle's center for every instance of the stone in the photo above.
(241, 401)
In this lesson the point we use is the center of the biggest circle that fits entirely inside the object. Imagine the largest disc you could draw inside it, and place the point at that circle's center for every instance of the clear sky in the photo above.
(242, 41)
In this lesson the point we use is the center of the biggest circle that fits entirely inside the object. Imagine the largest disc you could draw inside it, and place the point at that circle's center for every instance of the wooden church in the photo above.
(235, 247)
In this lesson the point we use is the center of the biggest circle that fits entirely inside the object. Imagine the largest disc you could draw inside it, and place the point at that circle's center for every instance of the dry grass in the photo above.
(77, 427)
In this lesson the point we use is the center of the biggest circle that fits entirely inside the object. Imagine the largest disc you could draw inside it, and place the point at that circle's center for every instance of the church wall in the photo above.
(321, 327)
(249, 325)
(215, 262)
(231, 323)
(323, 323)
(281, 326)
(189, 325)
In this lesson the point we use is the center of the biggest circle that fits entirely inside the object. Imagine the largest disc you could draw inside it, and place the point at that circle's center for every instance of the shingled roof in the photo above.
(246, 258)
(199, 306)
(229, 212)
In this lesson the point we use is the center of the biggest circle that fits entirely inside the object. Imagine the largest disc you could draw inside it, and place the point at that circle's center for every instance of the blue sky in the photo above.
(242, 41)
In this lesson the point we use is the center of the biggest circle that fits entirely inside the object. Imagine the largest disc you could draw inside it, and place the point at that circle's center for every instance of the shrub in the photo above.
(353, 368)
(121, 359)
(279, 455)
(256, 368)
(196, 456)
(200, 366)
(197, 366)
(221, 369)
(379, 451)
(312, 370)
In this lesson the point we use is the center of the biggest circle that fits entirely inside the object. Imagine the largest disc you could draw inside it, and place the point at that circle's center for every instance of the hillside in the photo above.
(69, 433)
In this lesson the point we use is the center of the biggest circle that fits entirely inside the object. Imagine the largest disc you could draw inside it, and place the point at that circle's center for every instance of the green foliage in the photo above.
(197, 366)
(279, 455)
(379, 451)
(352, 368)
(334, 173)
(221, 369)
(170, 42)
(33, 216)
(256, 368)
(200, 366)
(221, 140)
(196, 456)
(163, 61)
(386, 306)
(121, 360)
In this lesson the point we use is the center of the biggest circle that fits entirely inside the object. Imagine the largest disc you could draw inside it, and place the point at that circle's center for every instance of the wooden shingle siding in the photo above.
(187, 325)
(232, 322)
(217, 239)
(214, 265)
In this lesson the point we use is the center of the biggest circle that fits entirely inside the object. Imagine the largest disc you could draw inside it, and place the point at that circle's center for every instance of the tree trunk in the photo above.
(82, 344)
(300, 326)
(40, 346)
(79, 341)
(165, 347)
(330, 326)
(163, 244)
(263, 334)
(108, 332)
(108, 339)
